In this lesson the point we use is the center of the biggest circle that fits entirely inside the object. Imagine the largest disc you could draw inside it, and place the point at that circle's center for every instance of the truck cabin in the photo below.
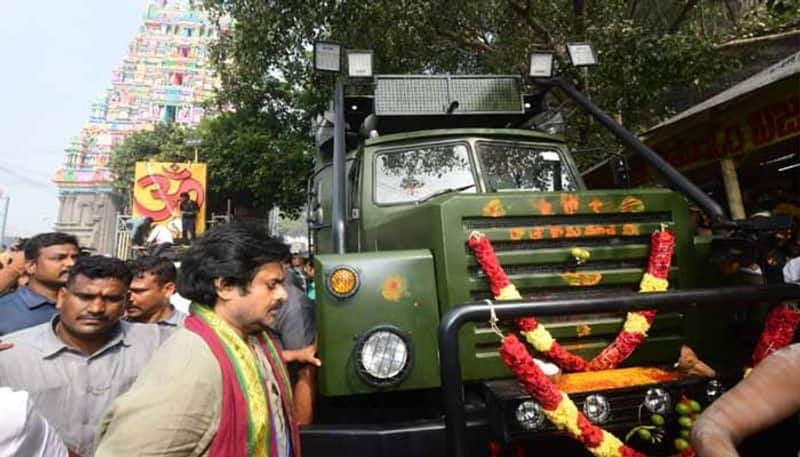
(405, 151)
(425, 172)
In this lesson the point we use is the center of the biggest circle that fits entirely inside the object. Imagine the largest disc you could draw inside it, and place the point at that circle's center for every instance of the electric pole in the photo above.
(5, 199)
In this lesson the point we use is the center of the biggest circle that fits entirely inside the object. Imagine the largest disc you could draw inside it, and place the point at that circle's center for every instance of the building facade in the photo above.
(165, 77)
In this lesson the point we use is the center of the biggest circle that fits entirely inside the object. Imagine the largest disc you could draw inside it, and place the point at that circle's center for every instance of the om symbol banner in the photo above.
(157, 187)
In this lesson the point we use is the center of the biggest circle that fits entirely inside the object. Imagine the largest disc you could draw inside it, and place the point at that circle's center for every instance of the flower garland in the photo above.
(559, 408)
(778, 332)
(634, 330)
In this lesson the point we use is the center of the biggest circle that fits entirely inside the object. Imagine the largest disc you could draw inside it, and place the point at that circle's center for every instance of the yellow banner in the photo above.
(157, 187)
(771, 117)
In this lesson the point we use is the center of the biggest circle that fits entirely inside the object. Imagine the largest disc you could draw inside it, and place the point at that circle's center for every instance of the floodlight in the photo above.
(540, 64)
(359, 63)
(581, 54)
(327, 56)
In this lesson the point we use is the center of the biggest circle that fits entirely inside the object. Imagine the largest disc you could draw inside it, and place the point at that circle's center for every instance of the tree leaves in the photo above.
(655, 57)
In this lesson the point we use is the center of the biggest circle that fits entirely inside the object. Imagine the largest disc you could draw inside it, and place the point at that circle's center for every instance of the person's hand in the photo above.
(303, 355)
(5, 345)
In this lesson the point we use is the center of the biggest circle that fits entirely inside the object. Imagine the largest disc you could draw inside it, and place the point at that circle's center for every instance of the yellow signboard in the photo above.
(157, 187)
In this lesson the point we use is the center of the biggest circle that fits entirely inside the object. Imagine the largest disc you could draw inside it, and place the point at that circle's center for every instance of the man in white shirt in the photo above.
(159, 239)
(791, 271)
(159, 235)
(23, 431)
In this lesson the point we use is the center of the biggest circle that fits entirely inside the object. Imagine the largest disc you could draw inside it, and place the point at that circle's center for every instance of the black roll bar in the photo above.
(678, 181)
(450, 364)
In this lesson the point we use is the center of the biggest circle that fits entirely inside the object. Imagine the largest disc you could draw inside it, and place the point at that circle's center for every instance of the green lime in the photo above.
(683, 409)
(681, 444)
(685, 433)
(644, 434)
(685, 422)
(695, 405)
(657, 419)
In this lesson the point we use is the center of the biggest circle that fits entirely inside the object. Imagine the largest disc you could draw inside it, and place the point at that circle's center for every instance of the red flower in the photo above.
(778, 332)
(622, 347)
(527, 324)
(566, 360)
(662, 245)
(484, 253)
(591, 435)
(515, 356)
(626, 451)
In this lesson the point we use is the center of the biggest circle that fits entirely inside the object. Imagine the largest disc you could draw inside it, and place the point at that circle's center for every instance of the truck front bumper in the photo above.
(419, 438)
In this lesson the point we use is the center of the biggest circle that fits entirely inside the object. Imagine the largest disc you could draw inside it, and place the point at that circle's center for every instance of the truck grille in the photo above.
(535, 254)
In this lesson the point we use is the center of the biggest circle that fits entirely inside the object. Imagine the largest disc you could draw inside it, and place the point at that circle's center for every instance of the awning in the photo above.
(759, 111)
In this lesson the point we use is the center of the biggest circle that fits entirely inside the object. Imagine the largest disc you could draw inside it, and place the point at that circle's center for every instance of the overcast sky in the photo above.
(57, 55)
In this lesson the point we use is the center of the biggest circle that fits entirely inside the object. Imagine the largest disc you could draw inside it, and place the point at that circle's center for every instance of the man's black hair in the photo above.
(163, 269)
(34, 245)
(100, 267)
(20, 244)
(232, 252)
(184, 194)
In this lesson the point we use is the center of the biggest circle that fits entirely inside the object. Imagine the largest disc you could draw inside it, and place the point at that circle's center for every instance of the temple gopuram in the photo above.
(165, 77)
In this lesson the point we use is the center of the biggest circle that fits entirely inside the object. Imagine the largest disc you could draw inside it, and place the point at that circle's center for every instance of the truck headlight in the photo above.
(596, 408)
(383, 356)
(529, 415)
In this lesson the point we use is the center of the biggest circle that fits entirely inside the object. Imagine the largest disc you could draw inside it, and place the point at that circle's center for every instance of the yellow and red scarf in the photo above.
(246, 427)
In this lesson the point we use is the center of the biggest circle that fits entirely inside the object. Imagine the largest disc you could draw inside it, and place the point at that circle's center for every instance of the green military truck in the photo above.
(423, 162)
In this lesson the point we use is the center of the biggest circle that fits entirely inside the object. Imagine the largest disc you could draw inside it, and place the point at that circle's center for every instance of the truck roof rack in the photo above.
(406, 103)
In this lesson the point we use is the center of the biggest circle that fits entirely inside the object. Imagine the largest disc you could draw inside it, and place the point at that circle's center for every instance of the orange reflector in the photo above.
(342, 282)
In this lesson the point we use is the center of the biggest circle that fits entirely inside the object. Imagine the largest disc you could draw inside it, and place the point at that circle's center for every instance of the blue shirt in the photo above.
(24, 308)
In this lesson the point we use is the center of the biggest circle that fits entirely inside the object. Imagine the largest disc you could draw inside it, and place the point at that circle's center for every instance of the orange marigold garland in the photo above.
(662, 245)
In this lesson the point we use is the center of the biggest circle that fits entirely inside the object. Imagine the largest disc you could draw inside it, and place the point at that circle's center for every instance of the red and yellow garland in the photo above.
(556, 405)
(559, 408)
(634, 330)
(778, 332)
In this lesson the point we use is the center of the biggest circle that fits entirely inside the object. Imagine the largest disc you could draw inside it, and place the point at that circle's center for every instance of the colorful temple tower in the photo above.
(165, 77)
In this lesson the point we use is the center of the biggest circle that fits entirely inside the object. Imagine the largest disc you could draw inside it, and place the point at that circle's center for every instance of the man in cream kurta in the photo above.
(178, 396)
(217, 387)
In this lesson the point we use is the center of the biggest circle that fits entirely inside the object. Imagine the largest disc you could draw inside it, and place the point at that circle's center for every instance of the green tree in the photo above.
(254, 161)
(655, 56)
(164, 143)
(250, 159)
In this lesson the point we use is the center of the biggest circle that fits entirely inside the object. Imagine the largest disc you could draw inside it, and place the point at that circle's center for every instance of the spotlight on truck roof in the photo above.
(327, 56)
(581, 54)
(359, 63)
(540, 64)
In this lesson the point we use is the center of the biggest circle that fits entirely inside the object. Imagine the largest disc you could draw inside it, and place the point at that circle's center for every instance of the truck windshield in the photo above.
(413, 174)
(520, 166)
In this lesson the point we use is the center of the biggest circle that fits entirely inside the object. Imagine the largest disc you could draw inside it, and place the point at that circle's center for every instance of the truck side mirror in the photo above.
(620, 172)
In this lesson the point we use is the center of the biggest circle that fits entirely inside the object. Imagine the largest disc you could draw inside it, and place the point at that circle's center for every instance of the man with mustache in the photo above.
(48, 258)
(218, 387)
(152, 286)
(74, 365)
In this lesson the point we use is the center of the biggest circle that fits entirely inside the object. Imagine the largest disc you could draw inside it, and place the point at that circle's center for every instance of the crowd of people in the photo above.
(97, 360)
